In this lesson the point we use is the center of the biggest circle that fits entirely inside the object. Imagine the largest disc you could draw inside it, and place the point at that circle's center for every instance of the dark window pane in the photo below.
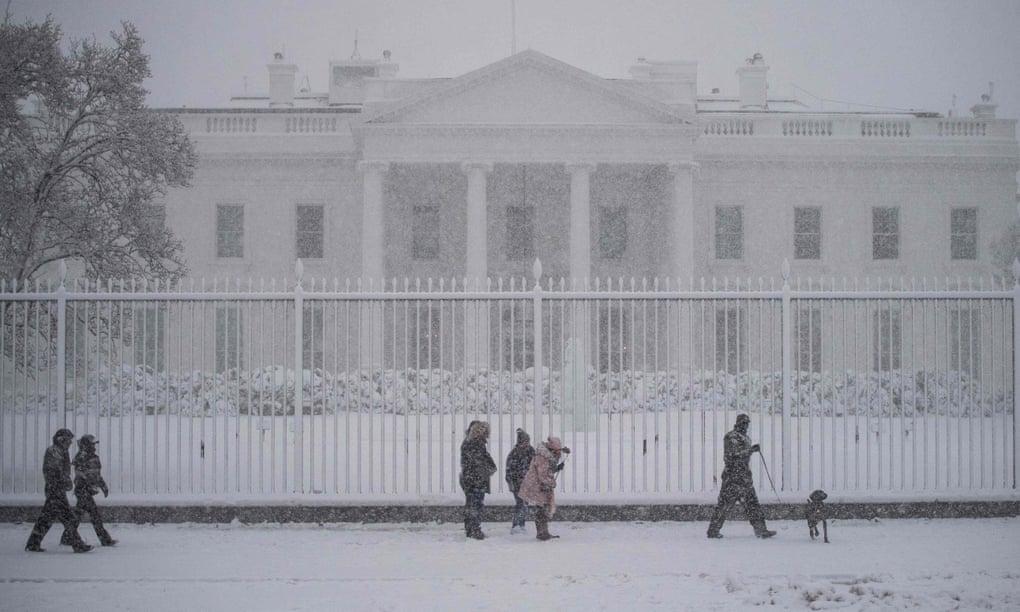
(963, 229)
(729, 232)
(807, 233)
(520, 233)
(885, 242)
(425, 231)
(229, 230)
(612, 232)
(309, 232)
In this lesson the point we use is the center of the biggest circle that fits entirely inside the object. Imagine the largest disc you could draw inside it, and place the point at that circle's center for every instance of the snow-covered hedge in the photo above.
(271, 391)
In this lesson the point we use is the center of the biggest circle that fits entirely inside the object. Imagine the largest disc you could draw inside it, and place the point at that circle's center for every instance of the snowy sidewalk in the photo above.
(948, 564)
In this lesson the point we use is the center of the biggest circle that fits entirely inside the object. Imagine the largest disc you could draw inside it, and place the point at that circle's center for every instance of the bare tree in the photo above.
(83, 162)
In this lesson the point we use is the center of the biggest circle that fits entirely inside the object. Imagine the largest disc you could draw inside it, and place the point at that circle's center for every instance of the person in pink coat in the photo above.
(539, 486)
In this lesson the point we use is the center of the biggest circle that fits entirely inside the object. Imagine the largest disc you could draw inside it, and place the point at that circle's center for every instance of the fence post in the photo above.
(1016, 369)
(536, 270)
(299, 382)
(787, 438)
(61, 342)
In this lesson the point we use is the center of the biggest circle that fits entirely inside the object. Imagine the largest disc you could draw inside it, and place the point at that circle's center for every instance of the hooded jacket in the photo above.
(476, 464)
(539, 486)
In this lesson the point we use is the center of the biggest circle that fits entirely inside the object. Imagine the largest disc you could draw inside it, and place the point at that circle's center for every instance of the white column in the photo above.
(580, 220)
(476, 313)
(577, 410)
(372, 232)
(681, 221)
(370, 315)
(477, 224)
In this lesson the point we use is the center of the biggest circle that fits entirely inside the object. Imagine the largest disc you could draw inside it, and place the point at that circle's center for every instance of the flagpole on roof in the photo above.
(513, 27)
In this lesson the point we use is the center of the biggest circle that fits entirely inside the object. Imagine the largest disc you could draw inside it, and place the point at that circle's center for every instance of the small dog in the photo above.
(815, 513)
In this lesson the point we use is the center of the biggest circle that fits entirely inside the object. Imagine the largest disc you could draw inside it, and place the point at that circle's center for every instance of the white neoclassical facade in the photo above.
(528, 157)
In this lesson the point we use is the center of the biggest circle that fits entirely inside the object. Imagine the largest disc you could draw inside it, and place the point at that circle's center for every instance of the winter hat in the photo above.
(522, 436)
(554, 443)
(743, 419)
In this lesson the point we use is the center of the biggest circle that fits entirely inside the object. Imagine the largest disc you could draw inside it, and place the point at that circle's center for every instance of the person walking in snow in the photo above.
(517, 463)
(476, 469)
(539, 485)
(737, 484)
(57, 476)
(88, 481)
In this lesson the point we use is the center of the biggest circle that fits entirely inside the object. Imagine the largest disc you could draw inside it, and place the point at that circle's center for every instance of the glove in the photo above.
(545, 488)
(565, 450)
(756, 448)
(106, 491)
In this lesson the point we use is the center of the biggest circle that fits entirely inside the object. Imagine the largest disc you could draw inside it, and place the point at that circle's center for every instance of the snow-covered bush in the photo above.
(272, 391)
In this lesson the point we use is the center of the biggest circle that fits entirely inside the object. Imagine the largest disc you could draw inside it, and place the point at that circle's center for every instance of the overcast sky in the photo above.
(896, 54)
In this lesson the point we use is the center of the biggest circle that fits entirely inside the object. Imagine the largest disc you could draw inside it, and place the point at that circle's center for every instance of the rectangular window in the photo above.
(229, 230)
(428, 336)
(520, 233)
(965, 341)
(313, 333)
(885, 233)
(808, 344)
(730, 339)
(807, 233)
(518, 335)
(228, 338)
(887, 343)
(612, 232)
(616, 330)
(425, 233)
(310, 231)
(729, 232)
(963, 229)
(149, 336)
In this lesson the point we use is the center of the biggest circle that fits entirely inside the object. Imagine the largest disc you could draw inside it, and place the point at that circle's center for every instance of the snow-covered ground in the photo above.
(958, 564)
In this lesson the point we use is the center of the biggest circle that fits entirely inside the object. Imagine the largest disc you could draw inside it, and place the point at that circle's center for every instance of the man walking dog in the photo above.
(737, 484)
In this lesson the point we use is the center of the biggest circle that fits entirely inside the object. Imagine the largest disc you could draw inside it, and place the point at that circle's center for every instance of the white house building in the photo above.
(477, 176)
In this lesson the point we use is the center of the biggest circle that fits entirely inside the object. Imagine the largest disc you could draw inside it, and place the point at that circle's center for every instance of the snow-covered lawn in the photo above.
(958, 564)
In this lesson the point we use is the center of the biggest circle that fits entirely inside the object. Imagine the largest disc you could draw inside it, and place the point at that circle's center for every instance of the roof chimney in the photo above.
(281, 82)
(985, 110)
(753, 84)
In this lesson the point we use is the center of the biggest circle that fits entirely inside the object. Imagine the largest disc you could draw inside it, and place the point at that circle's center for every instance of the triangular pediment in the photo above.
(528, 88)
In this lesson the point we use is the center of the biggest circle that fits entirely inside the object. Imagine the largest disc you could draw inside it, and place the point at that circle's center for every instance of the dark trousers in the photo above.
(734, 491)
(55, 508)
(87, 505)
(473, 502)
(520, 511)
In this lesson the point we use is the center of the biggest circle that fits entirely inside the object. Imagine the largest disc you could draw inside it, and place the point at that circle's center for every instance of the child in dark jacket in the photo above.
(88, 481)
(517, 463)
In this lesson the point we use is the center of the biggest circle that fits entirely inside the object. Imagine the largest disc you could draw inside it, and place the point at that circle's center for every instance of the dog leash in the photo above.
(764, 465)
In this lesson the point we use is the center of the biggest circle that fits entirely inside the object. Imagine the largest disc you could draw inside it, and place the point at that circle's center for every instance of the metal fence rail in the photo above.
(361, 389)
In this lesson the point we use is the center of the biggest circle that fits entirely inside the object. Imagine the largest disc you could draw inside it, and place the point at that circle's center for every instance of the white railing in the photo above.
(225, 390)
(851, 126)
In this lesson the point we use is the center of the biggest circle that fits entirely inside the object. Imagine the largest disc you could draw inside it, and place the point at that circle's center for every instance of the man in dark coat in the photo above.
(476, 469)
(737, 484)
(88, 480)
(57, 474)
(517, 463)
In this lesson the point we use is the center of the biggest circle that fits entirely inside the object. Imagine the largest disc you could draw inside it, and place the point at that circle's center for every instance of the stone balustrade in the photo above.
(744, 125)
